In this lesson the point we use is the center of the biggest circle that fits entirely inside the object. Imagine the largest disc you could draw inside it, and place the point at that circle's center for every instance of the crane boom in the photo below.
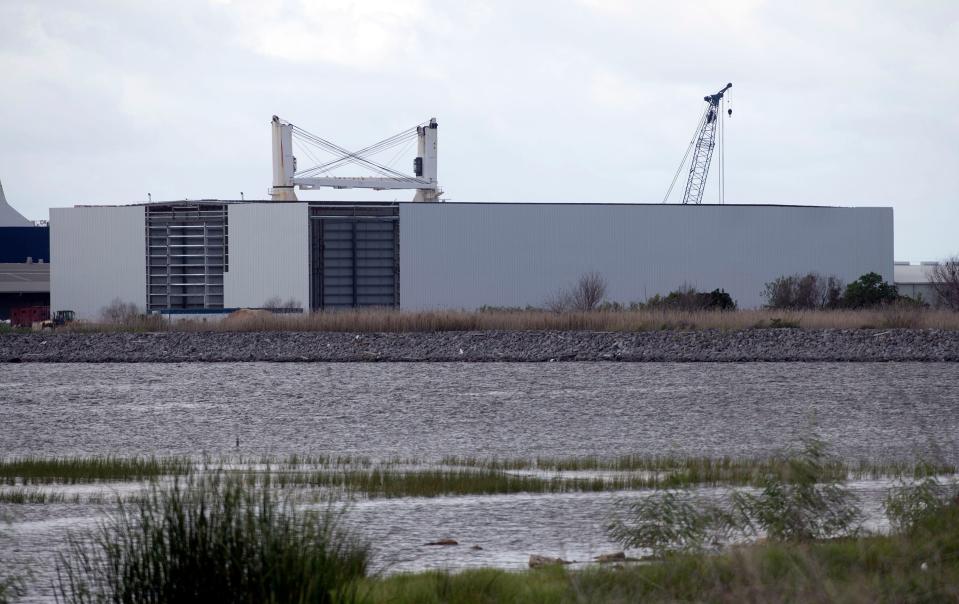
(703, 153)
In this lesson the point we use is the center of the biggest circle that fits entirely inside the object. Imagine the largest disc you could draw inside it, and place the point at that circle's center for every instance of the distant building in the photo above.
(24, 261)
(915, 281)
(8, 216)
(212, 256)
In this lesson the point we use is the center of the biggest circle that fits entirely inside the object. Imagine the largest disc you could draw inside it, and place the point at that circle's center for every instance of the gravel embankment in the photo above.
(516, 346)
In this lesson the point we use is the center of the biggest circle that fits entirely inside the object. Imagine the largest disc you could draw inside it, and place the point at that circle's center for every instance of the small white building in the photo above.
(915, 281)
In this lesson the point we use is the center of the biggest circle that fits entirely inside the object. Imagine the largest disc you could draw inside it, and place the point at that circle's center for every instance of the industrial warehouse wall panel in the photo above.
(97, 254)
(269, 251)
(464, 255)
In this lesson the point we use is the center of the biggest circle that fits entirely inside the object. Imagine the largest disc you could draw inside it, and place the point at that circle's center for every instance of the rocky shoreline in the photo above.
(762, 345)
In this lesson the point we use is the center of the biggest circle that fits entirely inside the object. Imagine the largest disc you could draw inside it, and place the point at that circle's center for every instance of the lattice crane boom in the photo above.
(703, 151)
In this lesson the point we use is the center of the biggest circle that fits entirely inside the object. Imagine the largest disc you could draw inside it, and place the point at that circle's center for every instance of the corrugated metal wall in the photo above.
(97, 254)
(461, 255)
(269, 250)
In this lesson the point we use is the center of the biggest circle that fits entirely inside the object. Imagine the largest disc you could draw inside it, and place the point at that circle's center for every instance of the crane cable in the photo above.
(722, 145)
(387, 143)
(689, 149)
(346, 156)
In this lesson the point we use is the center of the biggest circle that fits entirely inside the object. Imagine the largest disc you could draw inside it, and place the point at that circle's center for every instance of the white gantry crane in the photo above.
(286, 176)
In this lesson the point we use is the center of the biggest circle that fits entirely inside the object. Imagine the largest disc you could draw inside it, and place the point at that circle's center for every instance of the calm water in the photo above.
(890, 410)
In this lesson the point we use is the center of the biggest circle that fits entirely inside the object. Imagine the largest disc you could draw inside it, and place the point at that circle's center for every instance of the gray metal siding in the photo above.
(470, 255)
(97, 254)
(269, 254)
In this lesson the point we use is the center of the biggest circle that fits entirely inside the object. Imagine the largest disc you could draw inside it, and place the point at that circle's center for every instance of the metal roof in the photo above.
(23, 277)
(459, 203)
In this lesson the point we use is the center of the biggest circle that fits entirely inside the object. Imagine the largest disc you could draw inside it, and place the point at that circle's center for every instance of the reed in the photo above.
(398, 321)
(72, 470)
(399, 477)
(30, 496)
(213, 540)
(27, 496)
(703, 470)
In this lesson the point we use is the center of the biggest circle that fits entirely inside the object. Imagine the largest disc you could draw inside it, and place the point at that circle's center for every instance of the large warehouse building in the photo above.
(212, 255)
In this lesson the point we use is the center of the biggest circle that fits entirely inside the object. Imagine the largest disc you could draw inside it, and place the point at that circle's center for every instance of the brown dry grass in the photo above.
(387, 320)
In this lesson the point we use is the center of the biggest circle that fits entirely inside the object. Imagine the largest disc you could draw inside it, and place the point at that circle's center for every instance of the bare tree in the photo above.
(119, 311)
(585, 295)
(561, 301)
(944, 278)
(590, 291)
(808, 291)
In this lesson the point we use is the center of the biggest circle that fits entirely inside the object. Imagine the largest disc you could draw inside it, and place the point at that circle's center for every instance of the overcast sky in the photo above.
(837, 103)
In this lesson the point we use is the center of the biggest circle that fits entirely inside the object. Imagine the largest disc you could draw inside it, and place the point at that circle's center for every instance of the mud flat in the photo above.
(772, 345)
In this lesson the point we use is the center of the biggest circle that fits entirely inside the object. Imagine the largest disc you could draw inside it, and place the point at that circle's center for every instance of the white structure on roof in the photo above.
(8, 216)
(286, 174)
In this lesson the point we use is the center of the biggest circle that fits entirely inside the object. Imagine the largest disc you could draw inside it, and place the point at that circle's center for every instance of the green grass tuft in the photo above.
(213, 540)
(73, 470)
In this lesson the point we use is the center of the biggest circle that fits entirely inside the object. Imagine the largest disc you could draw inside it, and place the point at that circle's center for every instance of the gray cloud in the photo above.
(834, 103)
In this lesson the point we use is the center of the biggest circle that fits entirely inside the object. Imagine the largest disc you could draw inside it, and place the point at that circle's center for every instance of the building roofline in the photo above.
(462, 203)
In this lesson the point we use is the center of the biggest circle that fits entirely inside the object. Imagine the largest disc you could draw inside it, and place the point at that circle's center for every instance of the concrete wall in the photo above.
(97, 254)
(460, 255)
(269, 254)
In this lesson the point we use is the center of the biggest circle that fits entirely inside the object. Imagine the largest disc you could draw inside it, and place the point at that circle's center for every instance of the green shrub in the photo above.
(671, 521)
(804, 503)
(213, 541)
(687, 298)
(802, 500)
(869, 290)
(909, 506)
(11, 587)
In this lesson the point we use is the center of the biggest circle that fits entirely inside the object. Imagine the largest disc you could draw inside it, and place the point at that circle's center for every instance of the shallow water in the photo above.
(425, 411)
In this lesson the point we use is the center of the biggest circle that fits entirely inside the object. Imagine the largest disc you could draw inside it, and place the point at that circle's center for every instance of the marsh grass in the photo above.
(74, 470)
(398, 321)
(213, 540)
(27, 496)
(475, 476)
(677, 471)
(389, 483)
(408, 477)
(33, 496)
